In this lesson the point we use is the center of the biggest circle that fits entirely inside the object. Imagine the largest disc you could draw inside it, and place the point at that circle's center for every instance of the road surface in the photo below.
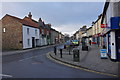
(35, 64)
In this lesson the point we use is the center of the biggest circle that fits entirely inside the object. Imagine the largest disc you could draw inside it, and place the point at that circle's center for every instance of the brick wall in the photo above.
(12, 36)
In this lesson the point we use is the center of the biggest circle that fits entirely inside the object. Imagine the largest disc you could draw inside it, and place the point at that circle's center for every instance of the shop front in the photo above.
(113, 39)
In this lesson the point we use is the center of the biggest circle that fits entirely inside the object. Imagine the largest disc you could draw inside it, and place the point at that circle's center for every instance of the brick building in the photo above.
(19, 33)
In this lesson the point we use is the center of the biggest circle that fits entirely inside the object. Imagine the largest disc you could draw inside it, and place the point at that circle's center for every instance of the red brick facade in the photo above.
(12, 37)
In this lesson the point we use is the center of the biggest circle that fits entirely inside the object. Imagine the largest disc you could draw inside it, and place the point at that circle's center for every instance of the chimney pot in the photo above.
(30, 15)
(40, 19)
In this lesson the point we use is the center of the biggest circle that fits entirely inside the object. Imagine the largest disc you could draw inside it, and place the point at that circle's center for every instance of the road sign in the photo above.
(103, 53)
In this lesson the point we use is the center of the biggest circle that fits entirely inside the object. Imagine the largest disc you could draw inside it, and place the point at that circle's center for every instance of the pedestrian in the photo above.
(104, 47)
(90, 42)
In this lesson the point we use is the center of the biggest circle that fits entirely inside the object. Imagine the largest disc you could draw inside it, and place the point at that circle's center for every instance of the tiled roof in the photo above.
(30, 22)
(18, 19)
(26, 21)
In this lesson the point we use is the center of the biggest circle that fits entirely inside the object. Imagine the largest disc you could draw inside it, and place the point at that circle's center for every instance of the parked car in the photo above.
(75, 42)
(67, 44)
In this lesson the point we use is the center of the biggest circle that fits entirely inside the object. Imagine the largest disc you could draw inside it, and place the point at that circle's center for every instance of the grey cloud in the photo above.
(57, 13)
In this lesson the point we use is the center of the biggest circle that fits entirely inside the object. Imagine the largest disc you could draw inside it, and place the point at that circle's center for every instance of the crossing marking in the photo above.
(48, 56)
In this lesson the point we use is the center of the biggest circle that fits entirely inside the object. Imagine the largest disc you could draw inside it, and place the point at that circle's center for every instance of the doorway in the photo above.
(118, 44)
(33, 42)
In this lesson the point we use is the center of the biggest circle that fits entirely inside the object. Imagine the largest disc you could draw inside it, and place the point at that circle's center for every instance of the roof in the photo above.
(54, 30)
(48, 26)
(25, 21)
(30, 22)
(16, 18)
(89, 28)
(98, 18)
(104, 10)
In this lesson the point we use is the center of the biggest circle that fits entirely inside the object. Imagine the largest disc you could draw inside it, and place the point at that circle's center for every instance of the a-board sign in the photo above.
(103, 53)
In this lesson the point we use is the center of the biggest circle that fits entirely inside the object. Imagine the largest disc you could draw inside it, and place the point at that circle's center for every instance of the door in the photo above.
(33, 42)
(118, 44)
(109, 44)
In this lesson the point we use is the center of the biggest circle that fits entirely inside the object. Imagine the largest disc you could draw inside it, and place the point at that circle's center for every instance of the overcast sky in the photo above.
(66, 17)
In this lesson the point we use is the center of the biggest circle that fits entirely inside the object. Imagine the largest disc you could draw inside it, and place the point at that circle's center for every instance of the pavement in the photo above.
(10, 52)
(89, 60)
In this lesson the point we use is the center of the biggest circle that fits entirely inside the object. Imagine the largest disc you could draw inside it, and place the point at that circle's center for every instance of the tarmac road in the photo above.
(35, 64)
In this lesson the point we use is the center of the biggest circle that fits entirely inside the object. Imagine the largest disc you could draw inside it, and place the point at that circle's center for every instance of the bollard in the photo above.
(84, 48)
(55, 50)
(69, 50)
(61, 53)
(76, 55)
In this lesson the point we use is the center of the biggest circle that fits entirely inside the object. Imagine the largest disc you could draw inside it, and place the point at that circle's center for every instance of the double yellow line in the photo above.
(60, 62)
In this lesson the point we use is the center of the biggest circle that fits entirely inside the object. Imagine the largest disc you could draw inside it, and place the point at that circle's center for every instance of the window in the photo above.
(42, 31)
(3, 29)
(47, 32)
(36, 31)
(27, 30)
(28, 42)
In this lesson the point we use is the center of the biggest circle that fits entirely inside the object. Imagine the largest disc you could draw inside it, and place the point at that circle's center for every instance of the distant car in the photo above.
(93, 42)
(67, 44)
(75, 42)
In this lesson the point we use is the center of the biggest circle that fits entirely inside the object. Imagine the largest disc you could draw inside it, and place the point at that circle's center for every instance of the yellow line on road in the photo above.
(48, 56)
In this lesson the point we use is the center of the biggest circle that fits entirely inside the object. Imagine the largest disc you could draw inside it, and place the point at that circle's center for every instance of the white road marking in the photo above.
(30, 57)
(5, 75)
(26, 58)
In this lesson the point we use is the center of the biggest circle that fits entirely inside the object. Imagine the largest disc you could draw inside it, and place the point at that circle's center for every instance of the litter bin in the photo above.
(76, 55)
(84, 48)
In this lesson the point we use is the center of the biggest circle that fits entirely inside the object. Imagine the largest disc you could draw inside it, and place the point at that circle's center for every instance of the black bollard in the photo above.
(69, 51)
(76, 57)
(61, 53)
(55, 50)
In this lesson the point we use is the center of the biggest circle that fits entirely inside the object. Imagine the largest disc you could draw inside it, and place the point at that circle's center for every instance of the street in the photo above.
(35, 64)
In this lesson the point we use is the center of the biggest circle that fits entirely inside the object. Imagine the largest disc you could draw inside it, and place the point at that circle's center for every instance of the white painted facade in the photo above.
(113, 45)
(43, 41)
(77, 36)
(28, 33)
(111, 13)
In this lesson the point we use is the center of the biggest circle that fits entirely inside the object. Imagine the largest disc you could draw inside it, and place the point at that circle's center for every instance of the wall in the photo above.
(89, 32)
(112, 11)
(54, 36)
(13, 33)
(77, 36)
(29, 36)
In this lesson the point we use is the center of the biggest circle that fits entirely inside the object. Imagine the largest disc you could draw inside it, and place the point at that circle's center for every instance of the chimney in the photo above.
(43, 23)
(30, 15)
(40, 20)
